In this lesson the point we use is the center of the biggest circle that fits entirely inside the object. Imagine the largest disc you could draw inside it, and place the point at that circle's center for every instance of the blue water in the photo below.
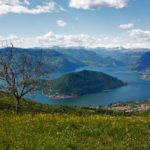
(136, 89)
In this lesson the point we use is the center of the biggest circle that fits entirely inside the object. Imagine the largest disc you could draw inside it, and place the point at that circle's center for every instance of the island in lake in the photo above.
(80, 83)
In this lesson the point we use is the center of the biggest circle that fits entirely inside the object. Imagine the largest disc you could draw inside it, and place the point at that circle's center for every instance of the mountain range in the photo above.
(66, 60)
(143, 62)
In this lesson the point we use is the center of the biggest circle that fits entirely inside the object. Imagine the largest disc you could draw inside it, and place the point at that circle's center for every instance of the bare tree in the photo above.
(20, 72)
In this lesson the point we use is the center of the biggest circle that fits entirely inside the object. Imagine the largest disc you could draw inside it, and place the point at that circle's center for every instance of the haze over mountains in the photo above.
(144, 62)
(69, 59)
(143, 65)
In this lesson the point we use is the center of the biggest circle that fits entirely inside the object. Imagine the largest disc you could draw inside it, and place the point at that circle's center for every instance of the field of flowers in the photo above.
(73, 132)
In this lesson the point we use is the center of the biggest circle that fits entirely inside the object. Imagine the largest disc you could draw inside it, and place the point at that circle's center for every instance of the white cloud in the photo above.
(95, 4)
(137, 45)
(140, 35)
(23, 6)
(137, 39)
(51, 39)
(61, 23)
(126, 26)
(26, 2)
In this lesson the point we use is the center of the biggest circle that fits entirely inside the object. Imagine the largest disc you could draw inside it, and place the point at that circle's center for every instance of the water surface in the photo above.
(136, 89)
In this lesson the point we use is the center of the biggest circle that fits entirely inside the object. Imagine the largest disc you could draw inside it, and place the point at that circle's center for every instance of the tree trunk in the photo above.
(17, 105)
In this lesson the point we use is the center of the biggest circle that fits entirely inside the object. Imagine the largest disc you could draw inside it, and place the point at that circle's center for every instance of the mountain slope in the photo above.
(146, 74)
(52, 58)
(81, 83)
(144, 62)
(90, 57)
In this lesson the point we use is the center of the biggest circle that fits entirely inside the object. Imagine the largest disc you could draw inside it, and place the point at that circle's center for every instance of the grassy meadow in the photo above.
(72, 132)
(69, 128)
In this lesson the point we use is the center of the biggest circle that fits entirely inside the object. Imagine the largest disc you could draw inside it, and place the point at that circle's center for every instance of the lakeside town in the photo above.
(138, 106)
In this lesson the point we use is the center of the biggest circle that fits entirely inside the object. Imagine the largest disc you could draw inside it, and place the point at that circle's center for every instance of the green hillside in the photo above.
(40, 126)
(7, 104)
(72, 132)
(81, 83)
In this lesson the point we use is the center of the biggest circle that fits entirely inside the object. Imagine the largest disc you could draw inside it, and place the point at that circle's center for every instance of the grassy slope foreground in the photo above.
(56, 129)
(68, 132)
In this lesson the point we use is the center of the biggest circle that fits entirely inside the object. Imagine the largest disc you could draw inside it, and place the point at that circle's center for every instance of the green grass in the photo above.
(44, 127)
(7, 104)
(72, 132)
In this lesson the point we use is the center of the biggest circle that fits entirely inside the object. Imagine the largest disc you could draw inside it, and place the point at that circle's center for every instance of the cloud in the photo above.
(137, 39)
(51, 39)
(61, 23)
(139, 46)
(26, 2)
(23, 6)
(96, 4)
(126, 26)
(140, 35)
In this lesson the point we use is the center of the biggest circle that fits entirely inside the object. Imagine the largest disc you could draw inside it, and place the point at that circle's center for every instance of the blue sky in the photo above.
(86, 23)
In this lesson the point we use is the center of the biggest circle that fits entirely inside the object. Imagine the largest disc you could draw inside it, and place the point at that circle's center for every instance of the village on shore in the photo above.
(138, 106)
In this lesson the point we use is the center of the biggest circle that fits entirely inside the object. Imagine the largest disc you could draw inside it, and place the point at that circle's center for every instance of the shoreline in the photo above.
(146, 78)
(131, 106)
(59, 97)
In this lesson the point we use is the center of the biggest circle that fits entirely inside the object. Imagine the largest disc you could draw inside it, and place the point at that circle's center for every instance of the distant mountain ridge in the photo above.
(144, 62)
(52, 59)
(67, 60)
(91, 58)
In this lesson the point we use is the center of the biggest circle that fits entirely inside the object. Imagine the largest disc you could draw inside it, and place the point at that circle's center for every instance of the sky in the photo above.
(75, 23)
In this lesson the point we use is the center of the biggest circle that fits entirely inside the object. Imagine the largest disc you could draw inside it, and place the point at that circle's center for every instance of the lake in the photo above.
(136, 89)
